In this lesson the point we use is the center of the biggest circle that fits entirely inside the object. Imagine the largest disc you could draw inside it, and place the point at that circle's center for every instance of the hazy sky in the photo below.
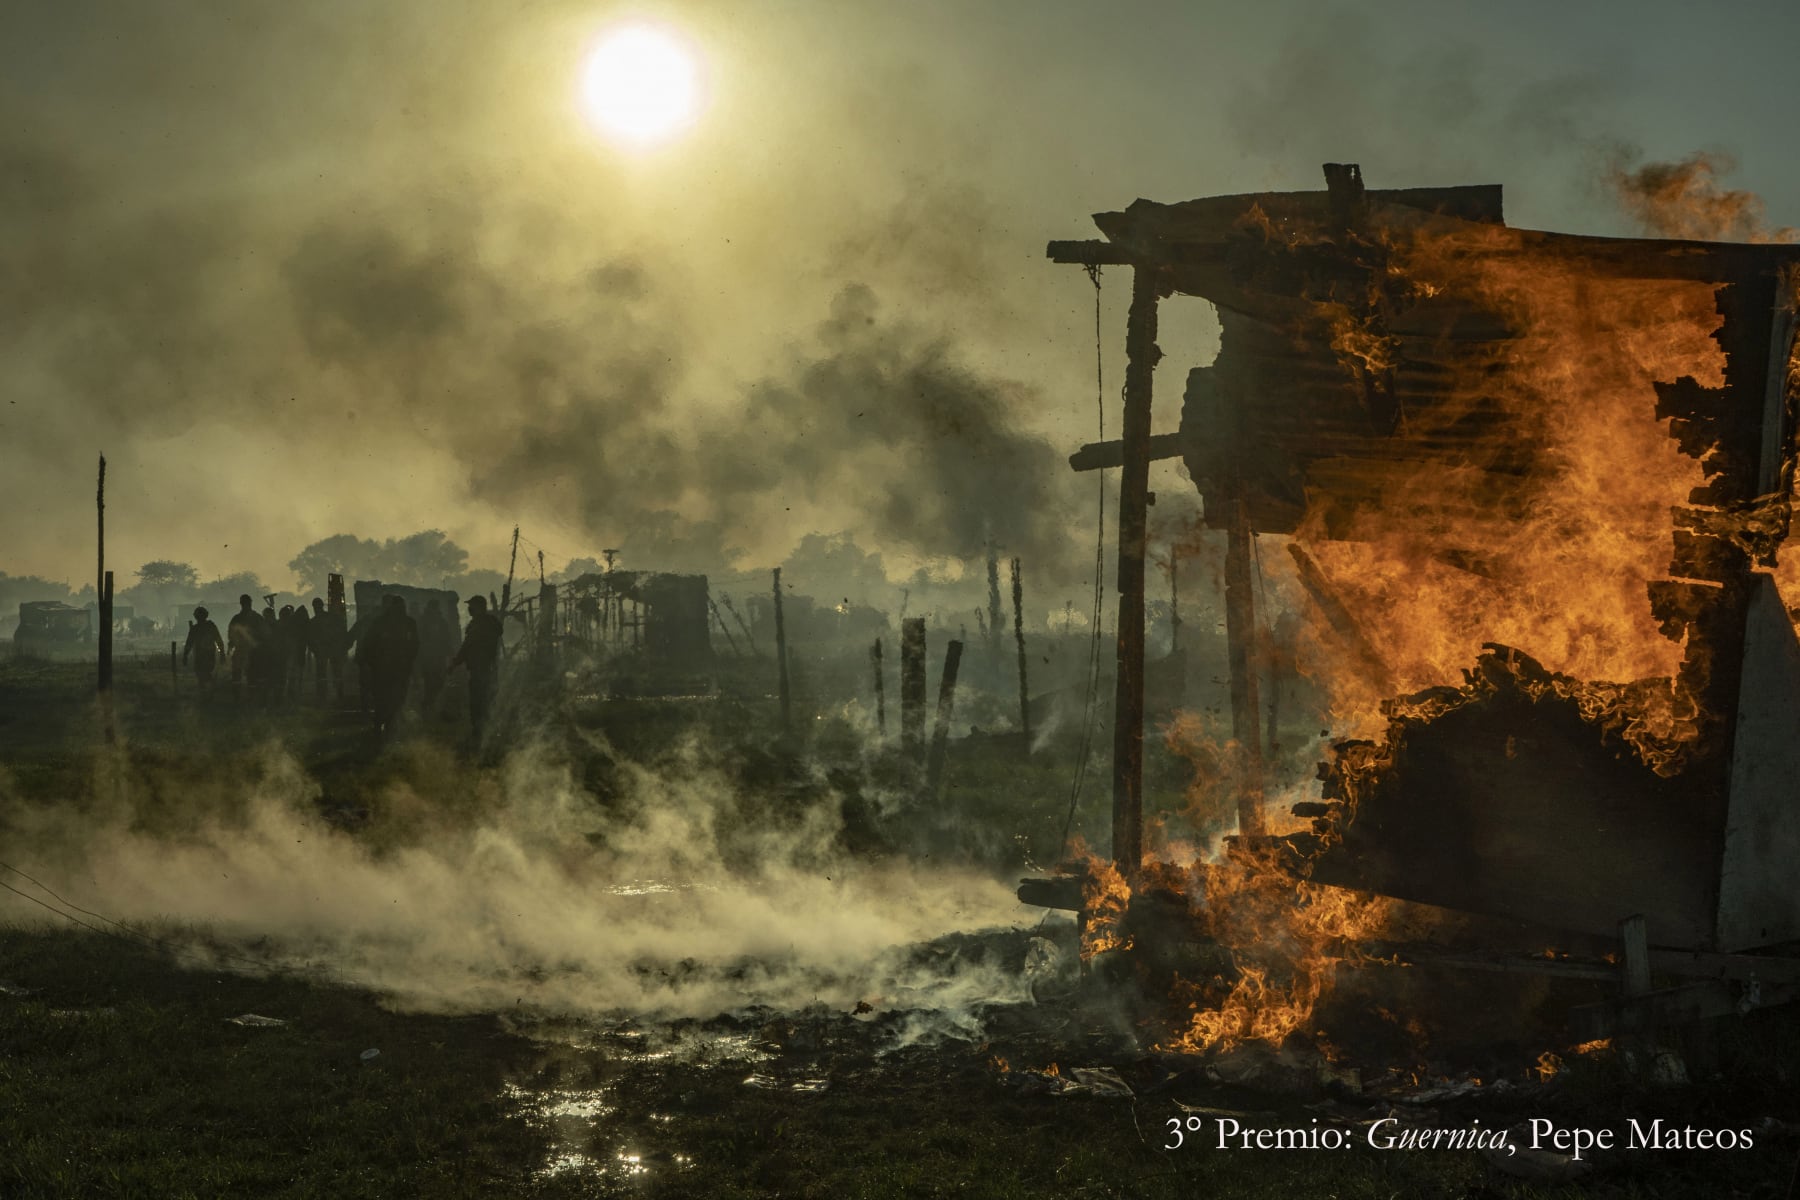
(328, 266)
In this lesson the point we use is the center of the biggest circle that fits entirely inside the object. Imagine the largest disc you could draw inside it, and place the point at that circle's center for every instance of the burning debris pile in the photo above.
(1533, 485)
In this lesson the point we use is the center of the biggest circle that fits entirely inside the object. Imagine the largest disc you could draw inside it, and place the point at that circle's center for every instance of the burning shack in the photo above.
(1533, 487)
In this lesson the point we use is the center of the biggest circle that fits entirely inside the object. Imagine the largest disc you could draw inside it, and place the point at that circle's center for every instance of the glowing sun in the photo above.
(641, 85)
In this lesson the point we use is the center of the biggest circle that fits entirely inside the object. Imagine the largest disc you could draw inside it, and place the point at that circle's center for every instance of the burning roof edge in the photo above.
(1192, 237)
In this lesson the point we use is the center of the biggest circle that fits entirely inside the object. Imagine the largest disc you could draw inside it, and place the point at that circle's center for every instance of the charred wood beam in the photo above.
(1141, 356)
(1341, 621)
(781, 662)
(1099, 456)
(1777, 385)
(1241, 636)
(1018, 599)
(1095, 253)
(1057, 891)
(940, 731)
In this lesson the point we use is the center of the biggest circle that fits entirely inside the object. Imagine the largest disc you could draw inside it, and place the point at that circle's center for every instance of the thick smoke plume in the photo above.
(1686, 200)
(475, 890)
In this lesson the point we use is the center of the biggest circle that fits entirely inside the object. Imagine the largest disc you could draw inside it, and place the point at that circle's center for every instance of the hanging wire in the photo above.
(1088, 712)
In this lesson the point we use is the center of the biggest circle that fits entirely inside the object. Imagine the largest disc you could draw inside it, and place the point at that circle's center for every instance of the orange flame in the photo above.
(1289, 936)
(1104, 897)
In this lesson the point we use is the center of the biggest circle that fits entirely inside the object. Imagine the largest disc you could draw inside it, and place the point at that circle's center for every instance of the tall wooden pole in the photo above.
(102, 586)
(1018, 599)
(1142, 354)
(781, 661)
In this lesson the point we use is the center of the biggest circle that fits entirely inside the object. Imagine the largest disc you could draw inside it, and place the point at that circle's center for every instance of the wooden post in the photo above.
(781, 661)
(1018, 599)
(1141, 356)
(1240, 647)
(880, 690)
(102, 604)
(940, 732)
(106, 661)
(912, 686)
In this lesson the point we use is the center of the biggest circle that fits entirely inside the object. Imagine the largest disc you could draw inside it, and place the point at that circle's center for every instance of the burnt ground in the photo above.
(122, 1073)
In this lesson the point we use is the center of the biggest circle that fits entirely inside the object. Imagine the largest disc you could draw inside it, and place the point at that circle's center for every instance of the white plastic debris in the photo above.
(370, 1055)
(255, 1021)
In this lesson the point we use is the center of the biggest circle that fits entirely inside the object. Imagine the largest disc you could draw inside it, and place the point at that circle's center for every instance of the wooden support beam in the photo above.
(1785, 327)
(1099, 456)
(1342, 623)
(1241, 638)
(1141, 356)
(1092, 253)
(940, 731)
(1095, 253)
(781, 663)
(1018, 599)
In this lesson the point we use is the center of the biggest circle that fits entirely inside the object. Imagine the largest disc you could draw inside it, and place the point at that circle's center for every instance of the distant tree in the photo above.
(19, 589)
(340, 554)
(161, 585)
(169, 575)
(426, 558)
(230, 587)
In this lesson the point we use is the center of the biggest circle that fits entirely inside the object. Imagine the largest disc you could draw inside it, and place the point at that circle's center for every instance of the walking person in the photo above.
(207, 647)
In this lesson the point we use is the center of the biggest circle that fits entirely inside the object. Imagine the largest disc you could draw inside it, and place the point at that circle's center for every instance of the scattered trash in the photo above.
(370, 1055)
(1098, 1081)
(770, 1084)
(1076, 1081)
(255, 1021)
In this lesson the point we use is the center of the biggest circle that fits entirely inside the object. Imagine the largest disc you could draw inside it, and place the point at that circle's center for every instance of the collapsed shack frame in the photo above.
(1506, 798)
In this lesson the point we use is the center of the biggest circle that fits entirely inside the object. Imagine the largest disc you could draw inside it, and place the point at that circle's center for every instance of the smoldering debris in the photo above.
(679, 897)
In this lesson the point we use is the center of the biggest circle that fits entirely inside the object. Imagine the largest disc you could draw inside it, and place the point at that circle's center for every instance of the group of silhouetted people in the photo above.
(269, 653)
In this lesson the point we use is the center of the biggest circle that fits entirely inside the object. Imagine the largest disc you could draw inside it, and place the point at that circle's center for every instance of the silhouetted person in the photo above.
(245, 632)
(328, 641)
(390, 646)
(291, 656)
(207, 647)
(265, 664)
(302, 649)
(480, 652)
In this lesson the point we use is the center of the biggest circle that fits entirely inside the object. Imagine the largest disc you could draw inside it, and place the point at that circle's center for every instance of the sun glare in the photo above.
(641, 85)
